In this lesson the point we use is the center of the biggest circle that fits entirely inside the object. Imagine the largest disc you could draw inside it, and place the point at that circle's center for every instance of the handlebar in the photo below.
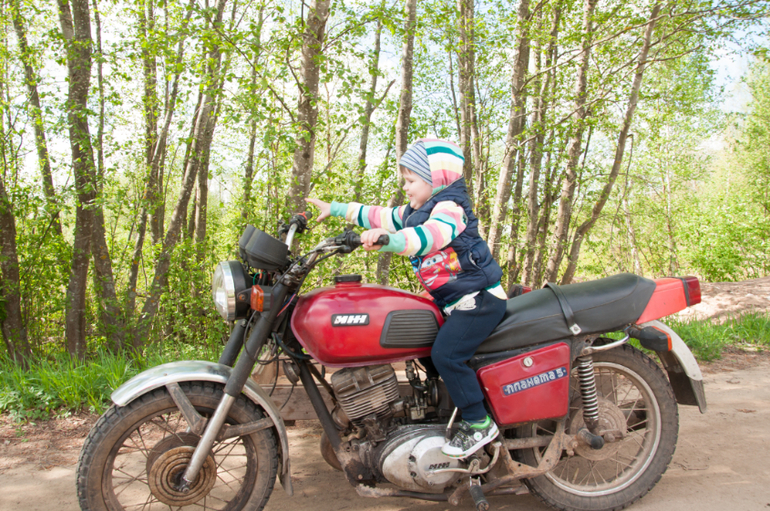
(351, 241)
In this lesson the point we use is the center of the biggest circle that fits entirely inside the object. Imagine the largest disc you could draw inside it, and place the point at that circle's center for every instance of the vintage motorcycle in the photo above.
(587, 421)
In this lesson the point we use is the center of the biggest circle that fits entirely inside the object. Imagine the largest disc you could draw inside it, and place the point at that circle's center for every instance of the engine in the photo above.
(367, 395)
(408, 456)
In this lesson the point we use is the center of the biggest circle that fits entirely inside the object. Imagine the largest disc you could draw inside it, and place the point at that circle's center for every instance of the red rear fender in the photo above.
(671, 295)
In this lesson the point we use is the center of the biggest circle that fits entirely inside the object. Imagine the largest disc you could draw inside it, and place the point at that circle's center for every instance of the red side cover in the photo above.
(669, 297)
(530, 386)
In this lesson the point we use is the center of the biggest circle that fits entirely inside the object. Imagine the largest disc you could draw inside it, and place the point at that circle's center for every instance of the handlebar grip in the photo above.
(383, 240)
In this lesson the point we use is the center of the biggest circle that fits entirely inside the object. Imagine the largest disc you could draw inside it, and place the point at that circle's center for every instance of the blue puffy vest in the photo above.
(478, 270)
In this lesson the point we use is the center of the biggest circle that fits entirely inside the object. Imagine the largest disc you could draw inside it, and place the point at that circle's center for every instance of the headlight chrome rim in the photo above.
(224, 283)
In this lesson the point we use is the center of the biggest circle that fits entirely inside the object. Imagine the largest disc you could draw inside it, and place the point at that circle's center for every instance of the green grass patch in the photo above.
(708, 338)
(57, 384)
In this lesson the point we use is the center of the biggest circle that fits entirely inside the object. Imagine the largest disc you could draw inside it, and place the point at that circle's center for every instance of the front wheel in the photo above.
(134, 455)
(636, 401)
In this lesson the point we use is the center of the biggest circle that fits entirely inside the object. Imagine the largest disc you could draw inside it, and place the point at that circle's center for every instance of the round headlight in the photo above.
(229, 277)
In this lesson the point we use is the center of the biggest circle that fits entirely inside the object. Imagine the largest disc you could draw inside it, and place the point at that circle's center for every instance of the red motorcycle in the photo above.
(587, 421)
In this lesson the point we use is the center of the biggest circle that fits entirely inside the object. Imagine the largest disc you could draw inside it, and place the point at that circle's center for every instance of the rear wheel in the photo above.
(636, 401)
(134, 455)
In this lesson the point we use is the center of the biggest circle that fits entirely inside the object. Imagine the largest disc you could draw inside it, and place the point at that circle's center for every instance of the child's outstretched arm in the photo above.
(368, 217)
(447, 220)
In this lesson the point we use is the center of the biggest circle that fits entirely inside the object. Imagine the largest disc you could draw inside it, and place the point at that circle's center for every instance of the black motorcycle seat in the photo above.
(599, 306)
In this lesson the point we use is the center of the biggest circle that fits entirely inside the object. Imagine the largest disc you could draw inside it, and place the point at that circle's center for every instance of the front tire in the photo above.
(133, 453)
(634, 394)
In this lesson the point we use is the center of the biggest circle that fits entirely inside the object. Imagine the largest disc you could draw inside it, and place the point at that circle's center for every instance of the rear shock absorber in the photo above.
(588, 392)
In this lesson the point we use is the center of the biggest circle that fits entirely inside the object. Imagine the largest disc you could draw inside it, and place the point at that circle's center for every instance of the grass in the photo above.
(708, 338)
(58, 385)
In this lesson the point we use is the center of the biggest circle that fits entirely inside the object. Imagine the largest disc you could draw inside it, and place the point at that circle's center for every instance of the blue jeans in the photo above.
(456, 342)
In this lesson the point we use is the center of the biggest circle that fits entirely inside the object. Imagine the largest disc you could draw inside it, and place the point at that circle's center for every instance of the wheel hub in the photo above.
(611, 418)
(167, 466)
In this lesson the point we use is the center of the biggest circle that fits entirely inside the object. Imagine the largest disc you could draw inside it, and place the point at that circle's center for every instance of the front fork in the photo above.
(234, 386)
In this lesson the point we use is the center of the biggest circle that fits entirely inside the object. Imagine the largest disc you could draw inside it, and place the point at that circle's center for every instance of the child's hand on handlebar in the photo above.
(325, 207)
(369, 238)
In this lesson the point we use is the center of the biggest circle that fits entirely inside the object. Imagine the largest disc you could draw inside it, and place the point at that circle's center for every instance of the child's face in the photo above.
(418, 191)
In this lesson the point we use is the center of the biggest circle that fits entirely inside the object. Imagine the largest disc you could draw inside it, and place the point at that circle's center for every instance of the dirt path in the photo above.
(722, 459)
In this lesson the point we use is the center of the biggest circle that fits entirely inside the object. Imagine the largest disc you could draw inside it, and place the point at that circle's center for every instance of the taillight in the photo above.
(526, 289)
(693, 290)
(258, 298)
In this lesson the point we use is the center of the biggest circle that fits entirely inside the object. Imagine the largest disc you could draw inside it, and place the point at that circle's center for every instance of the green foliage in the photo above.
(58, 383)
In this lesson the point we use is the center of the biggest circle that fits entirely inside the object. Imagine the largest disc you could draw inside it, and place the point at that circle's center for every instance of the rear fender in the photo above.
(199, 370)
(683, 370)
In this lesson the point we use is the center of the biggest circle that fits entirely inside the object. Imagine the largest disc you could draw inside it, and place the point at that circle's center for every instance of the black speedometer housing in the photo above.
(262, 251)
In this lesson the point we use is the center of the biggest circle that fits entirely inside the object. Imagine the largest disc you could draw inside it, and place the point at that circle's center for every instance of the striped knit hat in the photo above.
(416, 159)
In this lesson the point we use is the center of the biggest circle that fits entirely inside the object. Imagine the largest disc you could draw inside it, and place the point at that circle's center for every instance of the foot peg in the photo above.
(593, 441)
(479, 500)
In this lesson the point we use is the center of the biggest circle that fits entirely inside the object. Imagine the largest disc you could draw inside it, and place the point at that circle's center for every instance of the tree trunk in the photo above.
(622, 137)
(368, 111)
(465, 83)
(13, 327)
(76, 29)
(533, 258)
(402, 121)
(307, 109)
(513, 268)
(564, 214)
(104, 280)
(200, 142)
(36, 112)
(515, 128)
(632, 233)
(157, 168)
(535, 161)
(248, 171)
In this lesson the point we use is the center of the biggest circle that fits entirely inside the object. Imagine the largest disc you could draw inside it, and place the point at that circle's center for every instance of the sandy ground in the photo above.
(722, 459)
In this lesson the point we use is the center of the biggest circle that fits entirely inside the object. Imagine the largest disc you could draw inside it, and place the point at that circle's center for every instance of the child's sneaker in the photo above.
(470, 438)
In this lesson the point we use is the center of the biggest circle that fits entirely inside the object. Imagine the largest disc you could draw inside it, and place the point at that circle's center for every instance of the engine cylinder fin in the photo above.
(366, 390)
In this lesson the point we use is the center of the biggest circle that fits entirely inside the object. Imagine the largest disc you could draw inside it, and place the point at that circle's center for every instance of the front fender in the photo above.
(683, 370)
(200, 370)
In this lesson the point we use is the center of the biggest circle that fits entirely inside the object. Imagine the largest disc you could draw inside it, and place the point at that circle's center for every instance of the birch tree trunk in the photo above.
(307, 109)
(564, 214)
(465, 66)
(159, 151)
(633, 99)
(515, 128)
(402, 121)
(36, 112)
(13, 328)
(368, 110)
(512, 260)
(200, 142)
(76, 29)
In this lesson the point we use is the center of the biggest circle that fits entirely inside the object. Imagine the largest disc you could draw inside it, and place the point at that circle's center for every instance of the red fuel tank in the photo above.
(354, 324)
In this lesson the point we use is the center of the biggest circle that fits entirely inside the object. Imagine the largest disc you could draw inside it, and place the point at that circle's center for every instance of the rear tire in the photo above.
(131, 450)
(622, 472)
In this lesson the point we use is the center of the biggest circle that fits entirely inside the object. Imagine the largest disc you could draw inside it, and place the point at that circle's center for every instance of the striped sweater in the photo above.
(447, 220)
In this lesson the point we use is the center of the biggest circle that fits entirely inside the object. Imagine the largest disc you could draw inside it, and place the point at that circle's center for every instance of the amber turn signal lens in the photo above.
(257, 298)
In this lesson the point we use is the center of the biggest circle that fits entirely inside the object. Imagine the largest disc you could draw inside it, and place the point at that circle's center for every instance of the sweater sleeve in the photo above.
(370, 217)
(447, 220)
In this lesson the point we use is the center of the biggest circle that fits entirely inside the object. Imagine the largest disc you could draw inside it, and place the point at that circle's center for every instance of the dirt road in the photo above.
(722, 460)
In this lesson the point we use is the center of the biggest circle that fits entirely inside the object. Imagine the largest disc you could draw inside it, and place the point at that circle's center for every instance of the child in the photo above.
(437, 230)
